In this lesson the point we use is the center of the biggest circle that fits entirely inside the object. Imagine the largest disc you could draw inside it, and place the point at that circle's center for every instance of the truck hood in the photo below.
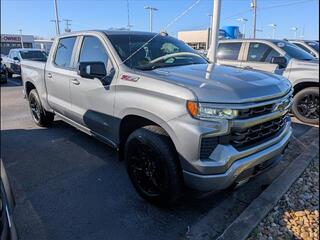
(299, 65)
(223, 84)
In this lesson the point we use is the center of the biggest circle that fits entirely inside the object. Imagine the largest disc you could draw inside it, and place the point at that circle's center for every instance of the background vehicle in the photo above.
(3, 72)
(7, 227)
(282, 58)
(174, 118)
(15, 56)
(311, 47)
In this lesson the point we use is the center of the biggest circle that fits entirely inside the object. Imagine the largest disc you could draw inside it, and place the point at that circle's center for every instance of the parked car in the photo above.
(7, 226)
(176, 119)
(311, 47)
(15, 56)
(282, 58)
(3, 72)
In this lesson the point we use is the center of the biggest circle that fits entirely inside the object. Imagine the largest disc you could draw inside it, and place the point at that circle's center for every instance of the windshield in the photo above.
(293, 51)
(314, 45)
(33, 55)
(162, 51)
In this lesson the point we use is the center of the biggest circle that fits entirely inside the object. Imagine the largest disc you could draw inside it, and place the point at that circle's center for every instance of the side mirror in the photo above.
(16, 59)
(92, 70)
(280, 61)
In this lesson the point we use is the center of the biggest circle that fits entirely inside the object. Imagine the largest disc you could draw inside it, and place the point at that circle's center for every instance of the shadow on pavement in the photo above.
(75, 187)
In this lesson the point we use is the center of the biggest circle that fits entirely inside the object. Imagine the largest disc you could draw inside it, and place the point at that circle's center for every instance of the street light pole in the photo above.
(215, 31)
(295, 30)
(244, 22)
(20, 31)
(274, 28)
(209, 31)
(151, 10)
(57, 17)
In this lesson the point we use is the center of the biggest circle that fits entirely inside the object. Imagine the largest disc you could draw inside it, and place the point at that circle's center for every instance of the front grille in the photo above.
(208, 144)
(245, 138)
(249, 137)
(256, 111)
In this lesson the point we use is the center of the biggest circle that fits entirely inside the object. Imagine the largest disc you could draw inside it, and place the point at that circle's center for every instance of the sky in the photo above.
(33, 16)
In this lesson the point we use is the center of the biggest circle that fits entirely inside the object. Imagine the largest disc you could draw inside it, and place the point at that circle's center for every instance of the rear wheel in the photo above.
(306, 105)
(40, 116)
(152, 165)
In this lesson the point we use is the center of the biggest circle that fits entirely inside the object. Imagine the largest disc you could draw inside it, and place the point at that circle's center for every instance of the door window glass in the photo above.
(92, 50)
(64, 52)
(260, 52)
(229, 51)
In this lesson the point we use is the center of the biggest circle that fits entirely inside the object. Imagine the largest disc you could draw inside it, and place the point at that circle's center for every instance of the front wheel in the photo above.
(40, 116)
(306, 105)
(152, 165)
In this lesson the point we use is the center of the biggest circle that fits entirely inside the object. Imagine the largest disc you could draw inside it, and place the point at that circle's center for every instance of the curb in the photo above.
(261, 206)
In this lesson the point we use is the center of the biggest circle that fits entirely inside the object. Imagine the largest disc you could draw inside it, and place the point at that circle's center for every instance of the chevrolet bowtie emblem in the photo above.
(282, 106)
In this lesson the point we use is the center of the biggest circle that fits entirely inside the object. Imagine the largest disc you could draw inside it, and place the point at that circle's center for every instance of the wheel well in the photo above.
(29, 87)
(300, 86)
(129, 124)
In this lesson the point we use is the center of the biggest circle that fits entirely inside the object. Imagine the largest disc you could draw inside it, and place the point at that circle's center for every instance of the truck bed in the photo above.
(34, 71)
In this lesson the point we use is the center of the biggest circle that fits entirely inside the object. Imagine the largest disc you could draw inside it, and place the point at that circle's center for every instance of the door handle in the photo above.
(49, 75)
(75, 81)
(247, 67)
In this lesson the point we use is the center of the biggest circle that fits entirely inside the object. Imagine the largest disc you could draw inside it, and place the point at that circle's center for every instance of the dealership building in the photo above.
(9, 41)
(200, 39)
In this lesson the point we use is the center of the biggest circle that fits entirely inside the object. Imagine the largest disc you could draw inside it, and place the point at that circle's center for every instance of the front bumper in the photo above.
(248, 165)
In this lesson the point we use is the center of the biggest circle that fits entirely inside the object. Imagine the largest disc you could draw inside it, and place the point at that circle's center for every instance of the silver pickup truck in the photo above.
(282, 58)
(175, 119)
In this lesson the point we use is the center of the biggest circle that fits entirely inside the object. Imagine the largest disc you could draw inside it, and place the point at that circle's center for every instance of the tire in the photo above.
(150, 154)
(40, 116)
(306, 105)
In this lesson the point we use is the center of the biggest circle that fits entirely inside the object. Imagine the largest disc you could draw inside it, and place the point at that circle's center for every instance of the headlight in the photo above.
(205, 111)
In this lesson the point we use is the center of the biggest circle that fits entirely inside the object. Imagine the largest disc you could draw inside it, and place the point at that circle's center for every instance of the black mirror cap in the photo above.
(92, 70)
(281, 61)
(16, 59)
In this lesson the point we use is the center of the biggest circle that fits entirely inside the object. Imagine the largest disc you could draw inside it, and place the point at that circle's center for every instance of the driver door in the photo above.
(93, 100)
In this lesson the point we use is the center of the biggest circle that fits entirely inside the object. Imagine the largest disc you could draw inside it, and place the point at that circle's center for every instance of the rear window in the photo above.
(64, 52)
(229, 51)
(33, 55)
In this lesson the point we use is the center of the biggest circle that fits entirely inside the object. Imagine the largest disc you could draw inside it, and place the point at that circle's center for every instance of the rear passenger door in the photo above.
(230, 53)
(59, 72)
(259, 57)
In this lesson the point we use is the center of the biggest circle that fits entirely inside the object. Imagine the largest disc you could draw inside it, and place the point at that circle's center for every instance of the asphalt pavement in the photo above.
(70, 186)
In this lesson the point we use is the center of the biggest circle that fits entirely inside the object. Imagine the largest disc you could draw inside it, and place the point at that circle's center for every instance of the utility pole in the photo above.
(151, 10)
(20, 31)
(254, 8)
(57, 17)
(215, 31)
(68, 24)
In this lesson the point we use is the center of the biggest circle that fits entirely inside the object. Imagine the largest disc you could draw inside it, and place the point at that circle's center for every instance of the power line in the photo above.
(286, 4)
